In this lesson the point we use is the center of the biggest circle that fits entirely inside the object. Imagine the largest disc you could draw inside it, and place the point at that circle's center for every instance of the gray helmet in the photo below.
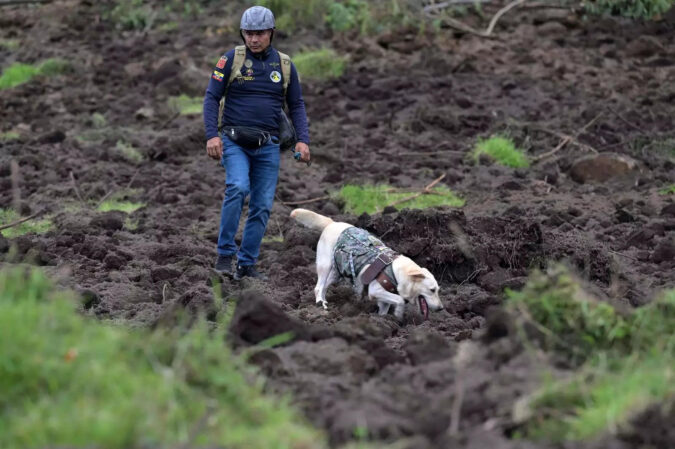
(257, 18)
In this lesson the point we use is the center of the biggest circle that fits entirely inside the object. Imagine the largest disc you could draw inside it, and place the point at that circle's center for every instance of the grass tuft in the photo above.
(34, 226)
(9, 135)
(69, 381)
(670, 190)
(371, 199)
(628, 358)
(19, 73)
(129, 152)
(320, 64)
(10, 44)
(186, 105)
(124, 206)
(502, 150)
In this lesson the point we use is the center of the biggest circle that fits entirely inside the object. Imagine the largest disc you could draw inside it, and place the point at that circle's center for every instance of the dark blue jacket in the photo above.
(257, 100)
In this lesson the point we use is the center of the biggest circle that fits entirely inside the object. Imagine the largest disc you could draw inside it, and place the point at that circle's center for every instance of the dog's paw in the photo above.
(323, 303)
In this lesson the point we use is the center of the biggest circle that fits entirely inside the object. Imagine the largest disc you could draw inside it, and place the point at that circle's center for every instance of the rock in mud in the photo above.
(601, 167)
(256, 319)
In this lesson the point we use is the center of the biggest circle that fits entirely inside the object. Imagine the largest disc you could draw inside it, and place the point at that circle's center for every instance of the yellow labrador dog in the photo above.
(345, 251)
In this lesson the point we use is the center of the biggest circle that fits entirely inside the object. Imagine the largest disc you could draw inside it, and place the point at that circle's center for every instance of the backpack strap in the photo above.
(237, 64)
(285, 71)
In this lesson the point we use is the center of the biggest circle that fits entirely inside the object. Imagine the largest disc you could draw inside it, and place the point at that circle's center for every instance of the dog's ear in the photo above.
(416, 274)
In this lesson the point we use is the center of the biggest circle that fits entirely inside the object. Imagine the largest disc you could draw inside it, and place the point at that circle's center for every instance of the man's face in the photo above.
(257, 40)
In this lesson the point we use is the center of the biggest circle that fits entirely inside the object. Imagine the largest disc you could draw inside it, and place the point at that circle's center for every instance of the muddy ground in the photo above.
(408, 109)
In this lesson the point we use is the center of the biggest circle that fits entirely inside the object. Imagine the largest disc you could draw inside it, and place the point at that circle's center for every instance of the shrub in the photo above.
(319, 64)
(637, 9)
(69, 381)
(502, 150)
(371, 199)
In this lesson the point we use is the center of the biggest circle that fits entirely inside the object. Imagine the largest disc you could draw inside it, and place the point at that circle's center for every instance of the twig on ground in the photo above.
(488, 32)
(105, 197)
(500, 13)
(426, 190)
(567, 139)
(631, 124)
(168, 122)
(16, 191)
(77, 191)
(311, 200)
(18, 222)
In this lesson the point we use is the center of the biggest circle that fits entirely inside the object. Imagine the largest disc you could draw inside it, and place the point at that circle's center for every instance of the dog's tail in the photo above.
(310, 219)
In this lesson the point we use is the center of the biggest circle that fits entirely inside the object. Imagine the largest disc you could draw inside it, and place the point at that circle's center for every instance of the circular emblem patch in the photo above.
(248, 63)
(275, 76)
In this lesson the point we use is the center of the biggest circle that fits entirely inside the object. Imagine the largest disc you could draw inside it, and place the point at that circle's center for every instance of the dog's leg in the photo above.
(377, 293)
(325, 277)
(383, 307)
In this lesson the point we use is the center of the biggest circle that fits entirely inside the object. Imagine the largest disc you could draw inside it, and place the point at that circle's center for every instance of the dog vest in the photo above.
(356, 248)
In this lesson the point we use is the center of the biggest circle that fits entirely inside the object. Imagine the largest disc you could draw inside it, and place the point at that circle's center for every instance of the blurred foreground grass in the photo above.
(69, 381)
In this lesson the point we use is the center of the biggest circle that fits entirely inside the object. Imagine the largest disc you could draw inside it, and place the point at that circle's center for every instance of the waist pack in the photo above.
(287, 136)
(246, 137)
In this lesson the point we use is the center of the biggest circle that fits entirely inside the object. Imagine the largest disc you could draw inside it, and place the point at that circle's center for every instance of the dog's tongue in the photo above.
(424, 307)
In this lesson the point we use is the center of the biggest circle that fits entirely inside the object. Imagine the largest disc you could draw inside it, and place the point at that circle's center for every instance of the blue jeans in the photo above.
(247, 171)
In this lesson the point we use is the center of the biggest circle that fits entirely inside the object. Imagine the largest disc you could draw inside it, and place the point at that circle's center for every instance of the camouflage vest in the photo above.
(355, 249)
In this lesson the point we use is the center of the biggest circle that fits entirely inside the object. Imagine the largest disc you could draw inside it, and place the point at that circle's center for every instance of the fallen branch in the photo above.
(312, 200)
(493, 22)
(632, 125)
(18, 222)
(568, 138)
(426, 190)
(500, 13)
(77, 191)
(438, 6)
(105, 197)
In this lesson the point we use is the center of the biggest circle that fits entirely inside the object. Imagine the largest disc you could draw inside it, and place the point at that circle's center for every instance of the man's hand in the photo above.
(214, 148)
(303, 149)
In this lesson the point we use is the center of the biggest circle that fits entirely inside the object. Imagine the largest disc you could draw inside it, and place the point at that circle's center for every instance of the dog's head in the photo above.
(419, 286)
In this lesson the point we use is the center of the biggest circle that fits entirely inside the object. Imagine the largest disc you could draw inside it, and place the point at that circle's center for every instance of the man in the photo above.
(249, 147)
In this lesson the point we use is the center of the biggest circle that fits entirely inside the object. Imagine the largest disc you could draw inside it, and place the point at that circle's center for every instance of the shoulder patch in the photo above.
(218, 76)
(221, 62)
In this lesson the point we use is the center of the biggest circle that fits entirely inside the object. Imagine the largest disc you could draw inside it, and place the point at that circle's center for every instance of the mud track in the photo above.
(409, 108)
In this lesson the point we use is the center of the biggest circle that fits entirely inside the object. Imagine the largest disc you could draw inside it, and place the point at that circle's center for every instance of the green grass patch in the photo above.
(10, 44)
(273, 239)
(636, 9)
(344, 16)
(129, 152)
(34, 226)
(70, 381)
(627, 358)
(371, 199)
(116, 204)
(320, 64)
(670, 190)
(9, 135)
(186, 105)
(19, 73)
(502, 150)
